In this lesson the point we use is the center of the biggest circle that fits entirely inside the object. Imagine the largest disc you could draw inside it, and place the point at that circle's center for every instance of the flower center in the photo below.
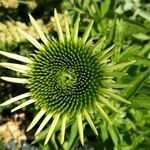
(66, 79)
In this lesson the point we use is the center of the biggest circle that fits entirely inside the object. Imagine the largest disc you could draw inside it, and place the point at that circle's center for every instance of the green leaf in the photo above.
(128, 52)
(144, 14)
(73, 137)
(141, 101)
(107, 6)
(145, 49)
(137, 83)
(141, 36)
(114, 135)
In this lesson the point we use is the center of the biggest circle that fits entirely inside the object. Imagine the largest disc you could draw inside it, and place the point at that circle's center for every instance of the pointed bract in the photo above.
(15, 80)
(107, 50)
(80, 128)
(16, 57)
(15, 67)
(106, 102)
(52, 128)
(67, 29)
(115, 96)
(63, 127)
(98, 44)
(88, 118)
(102, 113)
(75, 31)
(87, 32)
(36, 119)
(14, 99)
(58, 26)
(28, 102)
(38, 30)
(44, 122)
(31, 39)
(121, 65)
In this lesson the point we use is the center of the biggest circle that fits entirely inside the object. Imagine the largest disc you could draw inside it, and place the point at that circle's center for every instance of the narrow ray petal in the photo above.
(47, 118)
(67, 29)
(99, 43)
(52, 128)
(87, 32)
(74, 34)
(80, 128)
(106, 102)
(109, 73)
(23, 105)
(36, 119)
(88, 118)
(115, 96)
(58, 26)
(14, 80)
(63, 127)
(38, 30)
(121, 65)
(117, 85)
(15, 67)
(15, 56)
(14, 99)
(102, 113)
(104, 58)
(31, 39)
(108, 50)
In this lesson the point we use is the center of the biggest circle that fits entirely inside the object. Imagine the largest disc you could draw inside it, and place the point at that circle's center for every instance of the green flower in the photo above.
(68, 78)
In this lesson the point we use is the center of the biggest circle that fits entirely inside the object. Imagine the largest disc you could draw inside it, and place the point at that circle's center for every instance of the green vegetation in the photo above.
(125, 24)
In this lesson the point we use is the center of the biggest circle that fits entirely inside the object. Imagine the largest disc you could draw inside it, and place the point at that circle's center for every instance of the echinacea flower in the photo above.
(68, 78)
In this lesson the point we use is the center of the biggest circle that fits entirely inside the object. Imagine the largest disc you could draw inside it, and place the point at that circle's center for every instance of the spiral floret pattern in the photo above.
(65, 78)
(68, 78)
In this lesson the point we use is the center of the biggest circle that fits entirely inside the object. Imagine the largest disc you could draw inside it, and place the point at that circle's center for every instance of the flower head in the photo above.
(68, 78)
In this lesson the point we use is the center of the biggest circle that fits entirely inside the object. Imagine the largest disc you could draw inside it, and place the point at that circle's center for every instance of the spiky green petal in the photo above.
(15, 56)
(15, 80)
(44, 122)
(115, 85)
(31, 39)
(38, 30)
(87, 32)
(28, 102)
(16, 98)
(36, 119)
(80, 128)
(98, 44)
(88, 118)
(121, 65)
(115, 96)
(67, 29)
(102, 113)
(106, 102)
(75, 30)
(15, 67)
(58, 26)
(106, 52)
(63, 127)
(104, 59)
(52, 128)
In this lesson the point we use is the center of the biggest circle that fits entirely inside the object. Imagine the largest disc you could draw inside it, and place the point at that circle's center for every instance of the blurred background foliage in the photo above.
(125, 23)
